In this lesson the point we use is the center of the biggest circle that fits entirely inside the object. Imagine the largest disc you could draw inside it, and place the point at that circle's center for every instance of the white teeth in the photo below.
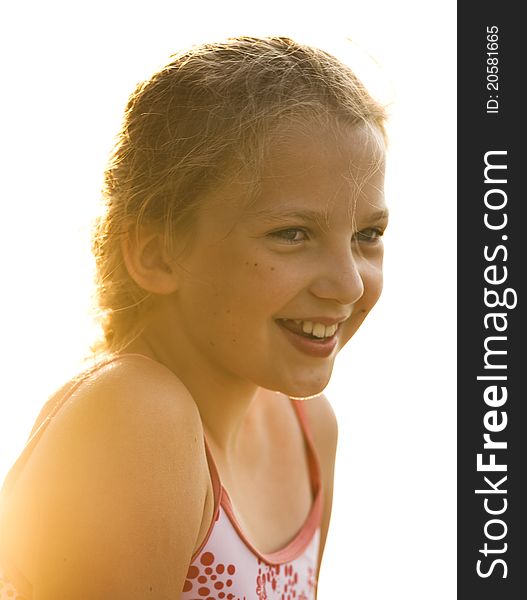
(319, 330)
(307, 326)
(331, 329)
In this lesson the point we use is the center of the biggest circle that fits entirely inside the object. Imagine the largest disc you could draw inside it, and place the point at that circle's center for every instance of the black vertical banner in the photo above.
(492, 269)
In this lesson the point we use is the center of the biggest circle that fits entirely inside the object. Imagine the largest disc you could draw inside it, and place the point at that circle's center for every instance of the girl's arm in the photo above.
(110, 504)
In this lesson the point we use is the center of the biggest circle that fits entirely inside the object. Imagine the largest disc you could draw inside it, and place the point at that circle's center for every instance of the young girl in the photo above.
(240, 250)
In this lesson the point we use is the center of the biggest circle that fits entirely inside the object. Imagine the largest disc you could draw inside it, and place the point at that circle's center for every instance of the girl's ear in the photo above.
(148, 263)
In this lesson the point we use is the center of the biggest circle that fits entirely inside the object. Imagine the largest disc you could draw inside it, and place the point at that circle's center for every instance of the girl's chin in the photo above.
(305, 397)
(305, 391)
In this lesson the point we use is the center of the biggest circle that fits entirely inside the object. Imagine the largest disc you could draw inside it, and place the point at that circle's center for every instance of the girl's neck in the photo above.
(228, 407)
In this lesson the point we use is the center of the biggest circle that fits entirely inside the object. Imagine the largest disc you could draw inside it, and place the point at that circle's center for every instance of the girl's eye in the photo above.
(292, 235)
(370, 235)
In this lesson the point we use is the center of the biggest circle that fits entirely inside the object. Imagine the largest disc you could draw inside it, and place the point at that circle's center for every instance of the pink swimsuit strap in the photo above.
(302, 539)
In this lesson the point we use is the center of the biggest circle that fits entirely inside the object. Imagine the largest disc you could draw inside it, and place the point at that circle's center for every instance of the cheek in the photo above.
(230, 295)
(258, 276)
(372, 279)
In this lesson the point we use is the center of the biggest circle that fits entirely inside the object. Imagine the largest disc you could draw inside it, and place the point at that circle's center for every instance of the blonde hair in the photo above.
(210, 112)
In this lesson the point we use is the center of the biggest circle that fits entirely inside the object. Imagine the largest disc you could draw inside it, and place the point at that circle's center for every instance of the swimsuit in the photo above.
(226, 566)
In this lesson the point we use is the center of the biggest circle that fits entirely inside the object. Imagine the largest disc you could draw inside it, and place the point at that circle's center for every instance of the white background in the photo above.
(67, 71)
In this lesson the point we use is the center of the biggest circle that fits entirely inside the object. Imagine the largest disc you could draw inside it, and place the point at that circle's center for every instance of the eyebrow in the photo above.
(285, 213)
(314, 216)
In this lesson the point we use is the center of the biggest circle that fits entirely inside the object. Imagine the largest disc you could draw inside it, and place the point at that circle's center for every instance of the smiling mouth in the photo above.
(309, 329)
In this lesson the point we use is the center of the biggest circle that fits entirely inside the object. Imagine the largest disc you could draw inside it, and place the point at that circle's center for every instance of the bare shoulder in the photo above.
(134, 401)
(130, 379)
(111, 500)
(139, 384)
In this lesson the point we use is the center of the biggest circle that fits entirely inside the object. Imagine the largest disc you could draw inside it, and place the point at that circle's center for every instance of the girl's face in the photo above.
(272, 289)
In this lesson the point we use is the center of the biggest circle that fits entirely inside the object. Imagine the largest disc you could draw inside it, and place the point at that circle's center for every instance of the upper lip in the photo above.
(324, 320)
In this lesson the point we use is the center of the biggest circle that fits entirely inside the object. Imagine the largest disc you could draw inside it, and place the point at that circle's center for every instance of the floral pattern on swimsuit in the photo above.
(226, 569)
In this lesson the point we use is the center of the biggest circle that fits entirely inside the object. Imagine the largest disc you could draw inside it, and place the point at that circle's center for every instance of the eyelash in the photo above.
(281, 235)
(370, 239)
(361, 236)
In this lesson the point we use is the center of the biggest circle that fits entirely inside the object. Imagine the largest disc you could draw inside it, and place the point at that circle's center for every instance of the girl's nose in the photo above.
(339, 278)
